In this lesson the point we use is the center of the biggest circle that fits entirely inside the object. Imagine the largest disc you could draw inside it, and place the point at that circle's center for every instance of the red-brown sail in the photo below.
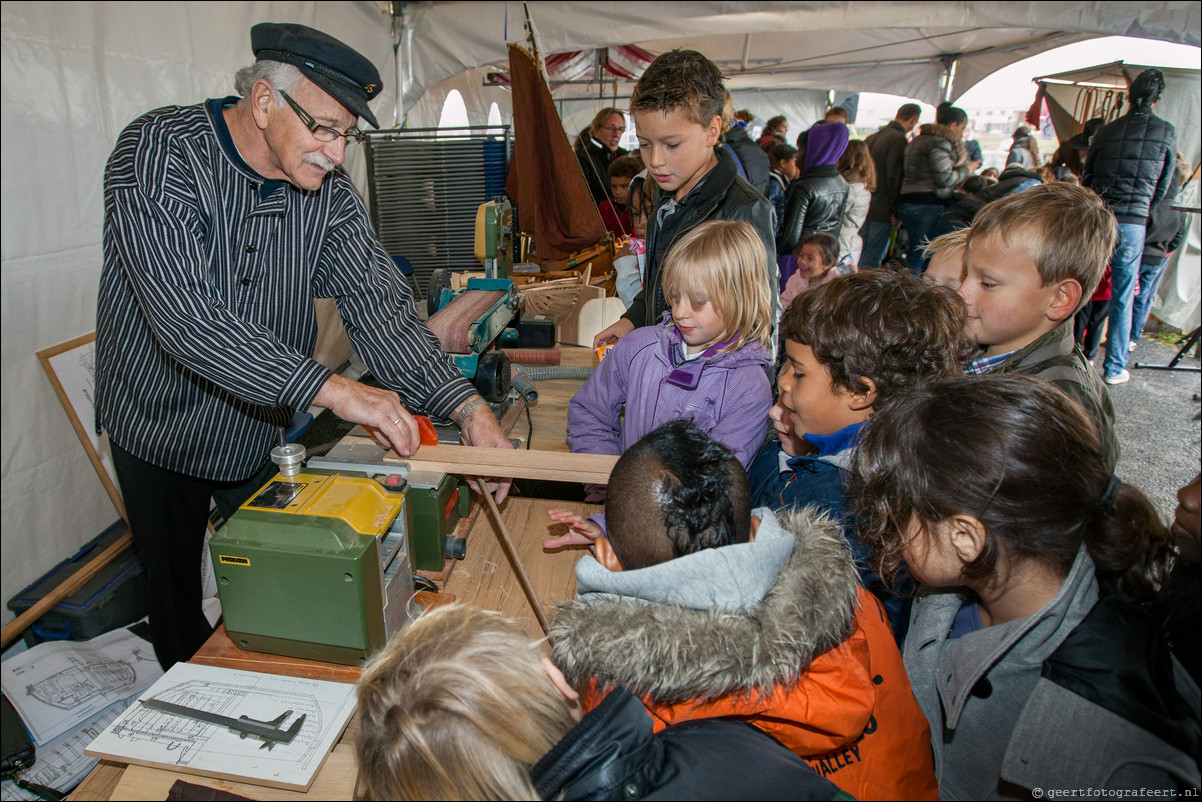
(545, 181)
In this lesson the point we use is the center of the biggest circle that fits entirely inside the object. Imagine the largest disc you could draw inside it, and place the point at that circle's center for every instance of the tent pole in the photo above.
(949, 75)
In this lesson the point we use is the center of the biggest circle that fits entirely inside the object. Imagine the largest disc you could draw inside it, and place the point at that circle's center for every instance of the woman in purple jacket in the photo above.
(708, 361)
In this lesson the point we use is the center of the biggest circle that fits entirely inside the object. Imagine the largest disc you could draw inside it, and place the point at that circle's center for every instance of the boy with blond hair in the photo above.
(677, 111)
(945, 258)
(1032, 260)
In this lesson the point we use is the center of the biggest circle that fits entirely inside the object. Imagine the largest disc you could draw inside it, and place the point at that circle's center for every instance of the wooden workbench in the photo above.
(483, 579)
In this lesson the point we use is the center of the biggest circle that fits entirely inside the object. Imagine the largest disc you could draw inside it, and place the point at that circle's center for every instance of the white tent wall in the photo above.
(74, 74)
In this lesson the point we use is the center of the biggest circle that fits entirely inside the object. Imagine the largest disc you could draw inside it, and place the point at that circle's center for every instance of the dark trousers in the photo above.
(1088, 326)
(168, 514)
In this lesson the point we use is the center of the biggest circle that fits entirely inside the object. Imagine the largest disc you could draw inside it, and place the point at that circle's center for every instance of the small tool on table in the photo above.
(268, 732)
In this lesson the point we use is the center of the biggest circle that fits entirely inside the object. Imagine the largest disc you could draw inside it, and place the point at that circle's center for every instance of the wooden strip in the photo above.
(515, 562)
(15, 627)
(552, 466)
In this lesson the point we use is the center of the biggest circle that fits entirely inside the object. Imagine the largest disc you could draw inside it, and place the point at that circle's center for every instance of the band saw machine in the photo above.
(467, 322)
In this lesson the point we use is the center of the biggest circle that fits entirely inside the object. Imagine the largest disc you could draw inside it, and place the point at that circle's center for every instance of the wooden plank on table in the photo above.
(484, 579)
(336, 780)
(99, 783)
(554, 466)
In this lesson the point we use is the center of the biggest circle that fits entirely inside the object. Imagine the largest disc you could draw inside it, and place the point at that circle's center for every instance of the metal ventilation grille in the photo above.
(425, 186)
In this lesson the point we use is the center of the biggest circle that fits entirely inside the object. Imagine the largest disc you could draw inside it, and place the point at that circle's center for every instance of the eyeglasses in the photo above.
(617, 129)
(323, 133)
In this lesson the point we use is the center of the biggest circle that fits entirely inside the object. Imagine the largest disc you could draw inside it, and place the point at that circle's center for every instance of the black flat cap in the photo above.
(340, 70)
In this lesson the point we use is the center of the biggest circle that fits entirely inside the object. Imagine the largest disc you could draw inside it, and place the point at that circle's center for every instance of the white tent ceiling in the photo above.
(901, 48)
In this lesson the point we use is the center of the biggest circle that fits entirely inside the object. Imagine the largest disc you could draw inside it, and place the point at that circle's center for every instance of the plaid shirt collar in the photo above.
(985, 364)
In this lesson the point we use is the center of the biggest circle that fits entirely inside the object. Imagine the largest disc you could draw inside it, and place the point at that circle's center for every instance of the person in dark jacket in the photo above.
(1166, 230)
(677, 108)
(1014, 178)
(1130, 165)
(783, 160)
(752, 156)
(597, 148)
(461, 705)
(816, 199)
(935, 164)
(888, 149)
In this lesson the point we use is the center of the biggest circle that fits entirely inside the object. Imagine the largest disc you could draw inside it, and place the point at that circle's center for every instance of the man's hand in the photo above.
(581, 531)
(614, 333)
(379, 409)
(480, 428)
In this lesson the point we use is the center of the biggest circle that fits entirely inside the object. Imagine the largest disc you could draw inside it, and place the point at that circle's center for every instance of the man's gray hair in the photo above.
(280, 75)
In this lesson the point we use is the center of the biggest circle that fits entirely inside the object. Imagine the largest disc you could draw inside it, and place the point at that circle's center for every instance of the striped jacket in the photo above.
(205, 319)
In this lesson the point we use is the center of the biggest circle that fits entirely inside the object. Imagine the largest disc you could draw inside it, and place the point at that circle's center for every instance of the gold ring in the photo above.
(397, 422)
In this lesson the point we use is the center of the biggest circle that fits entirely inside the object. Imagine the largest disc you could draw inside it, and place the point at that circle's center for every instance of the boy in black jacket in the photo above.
(677, 111)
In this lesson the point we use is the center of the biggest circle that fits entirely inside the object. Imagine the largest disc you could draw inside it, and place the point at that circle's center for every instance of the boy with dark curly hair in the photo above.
(851, 345)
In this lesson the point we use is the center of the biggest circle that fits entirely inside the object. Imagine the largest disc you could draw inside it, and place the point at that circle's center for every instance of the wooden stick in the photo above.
(554, 466)
(514, 561)
(68, 586)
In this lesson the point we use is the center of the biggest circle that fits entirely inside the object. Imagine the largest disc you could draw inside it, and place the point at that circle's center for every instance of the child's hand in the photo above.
(581, 531)
(614, 333)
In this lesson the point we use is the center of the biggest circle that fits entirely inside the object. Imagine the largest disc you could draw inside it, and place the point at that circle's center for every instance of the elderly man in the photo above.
(1130, 164)
(223, 221)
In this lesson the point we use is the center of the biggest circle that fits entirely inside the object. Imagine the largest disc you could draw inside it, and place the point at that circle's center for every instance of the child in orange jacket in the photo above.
(705, 610)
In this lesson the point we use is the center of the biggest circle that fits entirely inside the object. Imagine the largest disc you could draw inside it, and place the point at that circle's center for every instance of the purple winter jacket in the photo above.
(730, 404)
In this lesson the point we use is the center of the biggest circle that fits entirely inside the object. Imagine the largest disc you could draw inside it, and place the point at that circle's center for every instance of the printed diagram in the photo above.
(160, 739)
(83, 682)
(87, 368)
(184, 738)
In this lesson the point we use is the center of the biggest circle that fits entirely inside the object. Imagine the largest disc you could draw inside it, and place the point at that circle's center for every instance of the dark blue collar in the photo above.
(841, 440)
(216, 106)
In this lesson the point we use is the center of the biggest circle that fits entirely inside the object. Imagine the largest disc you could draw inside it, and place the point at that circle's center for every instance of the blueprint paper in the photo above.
(163, 740)
(61, 764)
(57, 686)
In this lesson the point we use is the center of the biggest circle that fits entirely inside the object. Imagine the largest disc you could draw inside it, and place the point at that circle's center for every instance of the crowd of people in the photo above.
(864, 536)
(872, 545)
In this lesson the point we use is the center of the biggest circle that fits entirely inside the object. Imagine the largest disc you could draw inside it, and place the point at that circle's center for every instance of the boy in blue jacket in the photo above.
(851, 344)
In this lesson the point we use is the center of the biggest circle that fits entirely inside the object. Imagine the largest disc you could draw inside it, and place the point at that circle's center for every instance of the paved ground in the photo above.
(1160, 439)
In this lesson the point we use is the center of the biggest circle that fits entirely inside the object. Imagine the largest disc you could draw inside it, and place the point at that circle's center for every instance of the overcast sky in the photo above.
(1013, 85)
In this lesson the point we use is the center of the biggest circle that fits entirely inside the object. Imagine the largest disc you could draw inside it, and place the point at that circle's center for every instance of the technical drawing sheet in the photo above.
(61, 764)
(150, 737)
(58, 685)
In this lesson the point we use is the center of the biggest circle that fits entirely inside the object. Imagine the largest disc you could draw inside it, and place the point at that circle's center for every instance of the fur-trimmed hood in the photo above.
(651, 632)
(958, 147)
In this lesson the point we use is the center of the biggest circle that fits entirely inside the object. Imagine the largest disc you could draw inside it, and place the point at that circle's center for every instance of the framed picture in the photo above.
(71, 368)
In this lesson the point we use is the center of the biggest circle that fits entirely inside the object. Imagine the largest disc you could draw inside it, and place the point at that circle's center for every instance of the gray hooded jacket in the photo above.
(1001, 727)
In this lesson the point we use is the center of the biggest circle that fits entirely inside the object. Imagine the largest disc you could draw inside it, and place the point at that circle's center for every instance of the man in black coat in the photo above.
(888, 149)
(1130, 165)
